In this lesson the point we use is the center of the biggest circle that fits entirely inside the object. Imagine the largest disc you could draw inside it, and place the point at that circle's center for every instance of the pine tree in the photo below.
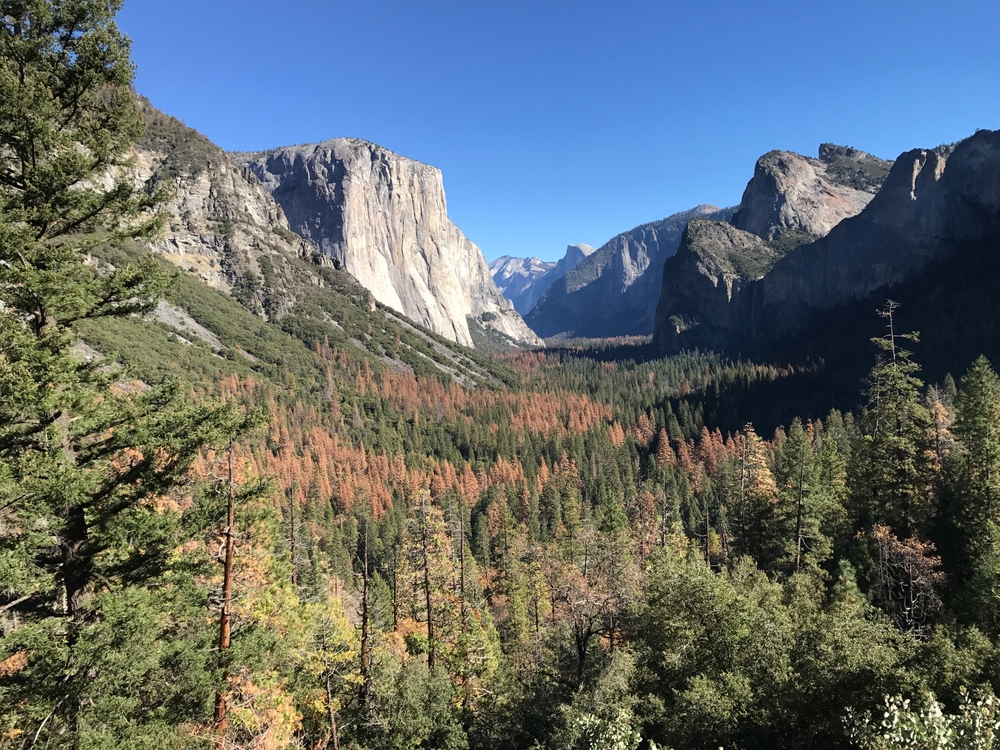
(89, 461)
(796, 473)
(974, 481)
(754, 521)
(893, 471)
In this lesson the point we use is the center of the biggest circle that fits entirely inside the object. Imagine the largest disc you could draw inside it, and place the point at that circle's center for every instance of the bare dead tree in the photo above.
(364, 690)
(220, 719)
(909, 574)
(427, 582)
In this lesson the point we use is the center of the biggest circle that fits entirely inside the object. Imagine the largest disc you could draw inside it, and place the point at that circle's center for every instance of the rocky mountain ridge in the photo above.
(225, 227)
(524, 280)
(255, 292)
(790, 200)
(933, 203)
(794, 194)
(221, 225)
(383, 218)
(702, 283)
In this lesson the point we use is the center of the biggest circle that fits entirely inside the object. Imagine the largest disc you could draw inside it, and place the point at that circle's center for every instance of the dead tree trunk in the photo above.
(708, 559)
(395, 591)
(365, 689)
(334, 734)
(327, 675)
(291, 516)
(466, 686)
(427, 584)
(221, 721)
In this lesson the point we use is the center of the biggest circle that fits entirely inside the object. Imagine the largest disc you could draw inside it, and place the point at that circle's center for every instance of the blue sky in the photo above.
(559, 122)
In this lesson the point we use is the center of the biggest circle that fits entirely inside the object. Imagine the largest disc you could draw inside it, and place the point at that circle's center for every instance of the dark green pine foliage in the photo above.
(799, 512)
(89, 459)
(893, 468)
(973, 482)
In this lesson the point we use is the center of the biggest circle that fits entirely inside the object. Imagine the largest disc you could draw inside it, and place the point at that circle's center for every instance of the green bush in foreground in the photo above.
(974, 727)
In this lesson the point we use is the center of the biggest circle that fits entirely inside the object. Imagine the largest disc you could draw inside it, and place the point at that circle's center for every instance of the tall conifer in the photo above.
(88, 458)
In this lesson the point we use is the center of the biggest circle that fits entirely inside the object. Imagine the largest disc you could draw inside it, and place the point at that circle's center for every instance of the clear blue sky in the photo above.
(565, 122)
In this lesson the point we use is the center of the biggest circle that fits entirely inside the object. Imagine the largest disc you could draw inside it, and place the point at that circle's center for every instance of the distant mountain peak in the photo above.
(523, 281)
(613, 290)
(579, 248)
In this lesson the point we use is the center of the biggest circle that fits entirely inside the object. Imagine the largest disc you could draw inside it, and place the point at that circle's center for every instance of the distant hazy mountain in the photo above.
(524, 280)
(613, 292)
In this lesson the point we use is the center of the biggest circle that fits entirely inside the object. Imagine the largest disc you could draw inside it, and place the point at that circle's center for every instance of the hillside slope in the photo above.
(250, 281)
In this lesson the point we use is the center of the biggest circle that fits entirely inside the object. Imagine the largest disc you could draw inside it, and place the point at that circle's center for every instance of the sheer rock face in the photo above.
(793, 193)
(524, 280)
(614, 291)
(383, 218)
(933, 202)
(213, 214)
(575, 255)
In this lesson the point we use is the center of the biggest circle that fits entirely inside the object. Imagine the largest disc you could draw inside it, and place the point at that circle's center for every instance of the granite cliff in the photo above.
(524, 280)
(614, 291)
(225, 231)
(574, 256)
(934, 204)
(383, 218)
(790, 194)
(703, 283)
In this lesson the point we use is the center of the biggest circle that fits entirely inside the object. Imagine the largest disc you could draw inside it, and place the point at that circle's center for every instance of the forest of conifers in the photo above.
(304, 547)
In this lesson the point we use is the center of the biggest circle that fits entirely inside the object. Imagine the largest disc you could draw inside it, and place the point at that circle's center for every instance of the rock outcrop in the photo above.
(714, 264)
(383, 218)
(793, 194)
(574, 256)
(524, 280)
(933, 203)
(221, 222)
(614, 291)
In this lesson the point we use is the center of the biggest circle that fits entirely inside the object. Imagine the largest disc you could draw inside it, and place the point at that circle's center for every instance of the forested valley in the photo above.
(292, 541)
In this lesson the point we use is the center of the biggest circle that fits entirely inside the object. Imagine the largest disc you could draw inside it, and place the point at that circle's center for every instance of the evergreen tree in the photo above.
(754, 519)
(796, 473)
(893, 469)
(90, 461)
(974, 481)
